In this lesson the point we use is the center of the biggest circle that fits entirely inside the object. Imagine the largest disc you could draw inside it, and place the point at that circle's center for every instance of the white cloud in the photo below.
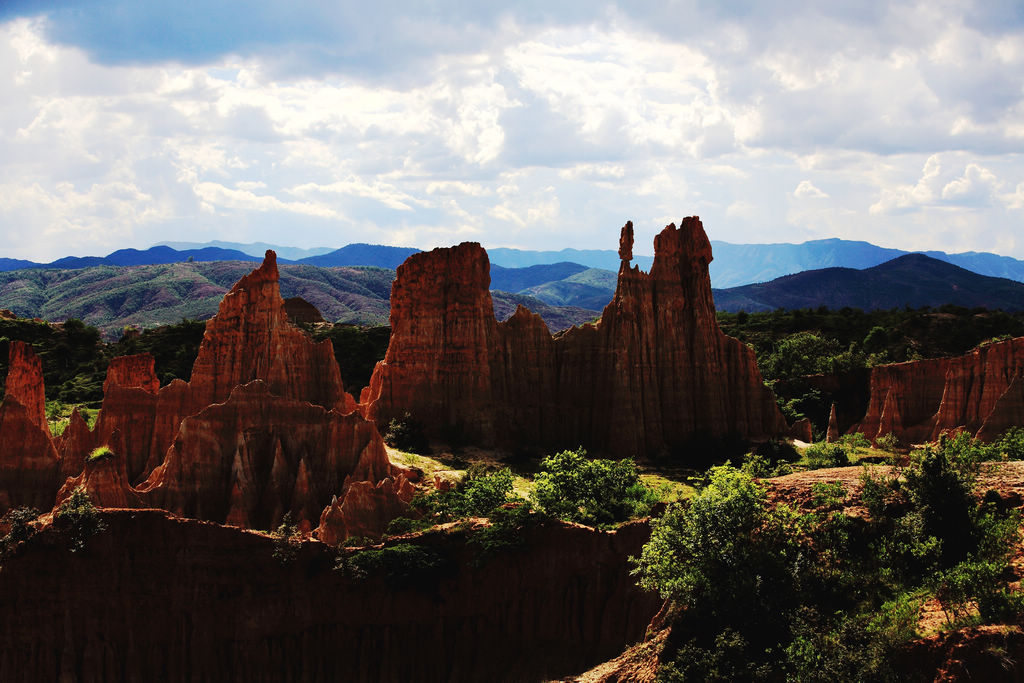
(807, 190)
(502, 124)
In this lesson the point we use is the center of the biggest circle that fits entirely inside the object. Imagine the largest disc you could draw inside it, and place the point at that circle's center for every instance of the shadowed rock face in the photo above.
(981, 391)
(654, 373)
(161, 598)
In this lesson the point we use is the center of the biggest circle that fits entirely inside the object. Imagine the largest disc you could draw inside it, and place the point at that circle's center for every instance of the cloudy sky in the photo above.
(538, 124)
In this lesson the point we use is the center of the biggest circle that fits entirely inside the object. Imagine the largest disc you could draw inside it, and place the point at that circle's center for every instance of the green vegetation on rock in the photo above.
(767, 592)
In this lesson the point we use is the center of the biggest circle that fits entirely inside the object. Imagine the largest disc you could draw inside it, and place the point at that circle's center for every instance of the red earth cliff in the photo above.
(28, 458)
(981, 391)
(156, 597)
(264, 428)
(257, 456)
(654, 373)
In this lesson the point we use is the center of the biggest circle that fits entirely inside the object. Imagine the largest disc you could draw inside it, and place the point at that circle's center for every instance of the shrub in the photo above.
(401, 564)
(478, 494)
(827, 494)
(505, 532)
(890, 442)
(822, 455)
(99, 453)
(20, 520)
(406, 434)
(596, 492)
(78, 519)
(287, 540)
(1010, 446)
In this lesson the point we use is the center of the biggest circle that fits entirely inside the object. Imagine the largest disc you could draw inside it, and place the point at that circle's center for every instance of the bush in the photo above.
(1010, 446)
(78, 519)
(99, 453)
(890, 442)
(827, 494)
(822, 455)
(406, 434)
(287, 540)
(505, 532)
(402, 564)
(594, 492)
(478, 494)
(20, 521)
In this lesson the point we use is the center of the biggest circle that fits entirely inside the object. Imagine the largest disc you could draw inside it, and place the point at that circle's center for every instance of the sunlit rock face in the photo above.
(263, 429)
(28, 458)
(981, 392)
(652, 374)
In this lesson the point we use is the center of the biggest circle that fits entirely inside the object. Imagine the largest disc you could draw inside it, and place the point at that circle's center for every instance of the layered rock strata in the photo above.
(981, 391)
(652, 375)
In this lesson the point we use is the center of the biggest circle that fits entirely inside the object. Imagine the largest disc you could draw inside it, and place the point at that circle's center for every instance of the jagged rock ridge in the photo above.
(654, 373)
(262, 429)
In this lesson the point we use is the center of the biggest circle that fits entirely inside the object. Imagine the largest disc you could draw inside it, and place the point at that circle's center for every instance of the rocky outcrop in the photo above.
(299, 310)
(150, 594)
(104, 479)
(365, 510)
(25, 382)
(832, 435)
(28, 458)
(257, 456)
(981, 391)
(250, 338)
(654, 373)
(263, 428)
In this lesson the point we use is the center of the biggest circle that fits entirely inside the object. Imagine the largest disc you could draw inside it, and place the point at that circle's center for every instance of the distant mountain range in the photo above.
(111, 296)
(913, 280)
(734, 265)
(257, 249)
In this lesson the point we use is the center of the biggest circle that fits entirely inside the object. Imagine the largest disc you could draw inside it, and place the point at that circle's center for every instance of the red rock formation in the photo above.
(73, 445)
(803, 430)
(28, 458)
(654, 373)
(250, 338)
(105, 481)
(299, 310)
(833, 426)
(128, 415)
(257, 456)
(25, 382)
(158, 598)
(365, 510)
(980, 391)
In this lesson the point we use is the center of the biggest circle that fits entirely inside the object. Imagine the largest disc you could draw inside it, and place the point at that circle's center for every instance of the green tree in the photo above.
(572, 487)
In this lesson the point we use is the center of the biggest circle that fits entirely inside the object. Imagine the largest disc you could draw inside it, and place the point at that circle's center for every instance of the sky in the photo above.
(537, 125)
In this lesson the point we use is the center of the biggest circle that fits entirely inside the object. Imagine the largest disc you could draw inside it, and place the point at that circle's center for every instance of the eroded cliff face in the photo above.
(981, 391)
(257, 456)
(262, 429)
(28, 458)
(655, 372)
(561, 603)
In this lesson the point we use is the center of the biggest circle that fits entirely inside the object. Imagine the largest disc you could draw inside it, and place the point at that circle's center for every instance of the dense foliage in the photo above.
(805, 341)
(596, 492)
(790, 345)
(771, 592)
